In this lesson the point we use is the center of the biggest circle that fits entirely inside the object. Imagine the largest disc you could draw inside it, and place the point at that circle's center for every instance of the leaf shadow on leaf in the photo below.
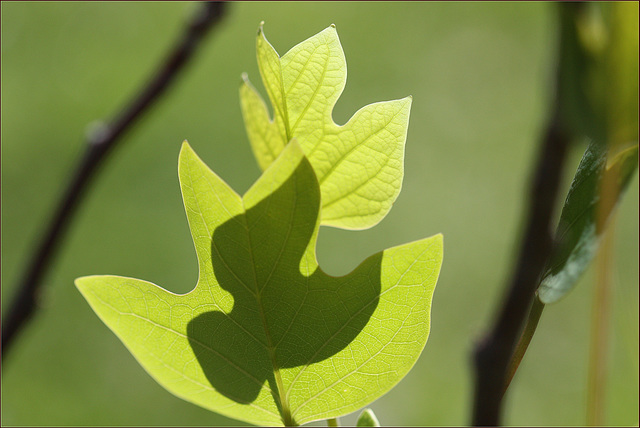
(281, 317)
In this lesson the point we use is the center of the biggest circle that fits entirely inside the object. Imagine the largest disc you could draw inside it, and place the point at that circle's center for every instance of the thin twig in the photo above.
(99, 144)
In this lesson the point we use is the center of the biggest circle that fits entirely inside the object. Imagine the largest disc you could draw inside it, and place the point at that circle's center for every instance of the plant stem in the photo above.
(525, 340)
(597, 377)
(601, 312)
(494, 352)
(333, 422)
(99, 144)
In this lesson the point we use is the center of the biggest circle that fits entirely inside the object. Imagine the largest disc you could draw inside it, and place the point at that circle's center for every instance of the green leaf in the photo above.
(578, 235)
(620, 76)
(266, 336)
(608, 33)
(360, 164)
(599, 70)
(367, 419)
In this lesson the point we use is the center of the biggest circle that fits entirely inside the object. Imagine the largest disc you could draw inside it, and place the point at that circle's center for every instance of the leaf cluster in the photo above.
(266, 336)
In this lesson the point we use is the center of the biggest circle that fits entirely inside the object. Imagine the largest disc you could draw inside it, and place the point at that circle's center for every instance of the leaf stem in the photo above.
(525, 340)
(99, 144)
(601, 312)
(597, 375)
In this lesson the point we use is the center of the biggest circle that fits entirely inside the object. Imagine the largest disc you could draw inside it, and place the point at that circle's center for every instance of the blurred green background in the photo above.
(479, 74)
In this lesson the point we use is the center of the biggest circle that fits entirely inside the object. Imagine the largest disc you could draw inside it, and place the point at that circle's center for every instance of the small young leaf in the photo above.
(367, 419)
(266, 336)
(359, 165)
(577, 234)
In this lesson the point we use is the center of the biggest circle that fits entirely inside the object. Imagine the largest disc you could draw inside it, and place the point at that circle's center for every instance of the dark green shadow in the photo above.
(309, 318)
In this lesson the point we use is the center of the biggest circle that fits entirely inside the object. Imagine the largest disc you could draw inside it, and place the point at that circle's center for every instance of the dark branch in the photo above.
(99, 144)
(493, 354)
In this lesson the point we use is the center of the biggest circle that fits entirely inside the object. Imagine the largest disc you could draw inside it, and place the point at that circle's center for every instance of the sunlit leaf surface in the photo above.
(359, 165)
(266, 336)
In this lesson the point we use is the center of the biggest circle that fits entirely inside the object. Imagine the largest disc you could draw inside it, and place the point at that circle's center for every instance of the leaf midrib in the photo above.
(280, 397)
(206, 225)
(315, 92)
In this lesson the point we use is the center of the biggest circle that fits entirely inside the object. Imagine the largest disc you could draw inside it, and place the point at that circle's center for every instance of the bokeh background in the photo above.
(479, 74)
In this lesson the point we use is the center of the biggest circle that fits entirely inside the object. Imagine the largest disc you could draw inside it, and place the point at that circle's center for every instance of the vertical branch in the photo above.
(99, 144)
(493, 354)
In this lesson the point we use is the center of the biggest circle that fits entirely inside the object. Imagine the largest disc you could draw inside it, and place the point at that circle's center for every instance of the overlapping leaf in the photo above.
(267, 337)
(600, 71)
(359, 165)
(578, 235)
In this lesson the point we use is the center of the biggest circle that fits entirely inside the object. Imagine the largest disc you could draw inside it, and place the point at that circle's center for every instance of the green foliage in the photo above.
(578, 233)
(266, 336)
(599, 70)
(608, 33)
(600, 80)
(367, 419)
(360, 164)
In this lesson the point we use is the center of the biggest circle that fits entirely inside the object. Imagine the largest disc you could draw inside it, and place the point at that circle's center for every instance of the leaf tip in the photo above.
(367, 419)
(439, 238)
(185, 150)
(296, 147)
(84, 283)
(185, 146)
(244, 77)
(79, 282)
(260, 28)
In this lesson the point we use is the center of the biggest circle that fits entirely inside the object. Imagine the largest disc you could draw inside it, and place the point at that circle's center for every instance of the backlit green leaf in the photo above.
(577, 234)
(266, 336)
(367, 419)
(359, 165)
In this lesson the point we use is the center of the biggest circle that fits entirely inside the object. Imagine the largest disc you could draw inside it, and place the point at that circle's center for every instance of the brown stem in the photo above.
(493, 353)
(99, 144)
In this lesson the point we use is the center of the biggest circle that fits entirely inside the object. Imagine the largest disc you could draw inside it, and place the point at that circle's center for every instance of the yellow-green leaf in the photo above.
(359, 165)
(266, 336)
